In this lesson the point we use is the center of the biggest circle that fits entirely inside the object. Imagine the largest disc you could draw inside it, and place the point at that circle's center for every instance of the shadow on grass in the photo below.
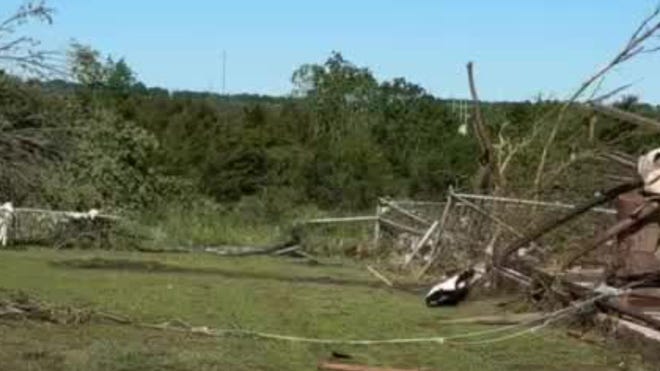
(150, 266)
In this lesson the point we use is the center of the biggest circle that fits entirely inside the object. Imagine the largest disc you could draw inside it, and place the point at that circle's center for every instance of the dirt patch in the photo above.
(150, 266)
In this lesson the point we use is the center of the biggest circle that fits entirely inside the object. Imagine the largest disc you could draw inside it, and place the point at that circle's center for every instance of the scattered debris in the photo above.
(6, 215)
(329, 366)
(20, 306)
(27, 225)
(379, 276)
(498, 320)
(339, 355)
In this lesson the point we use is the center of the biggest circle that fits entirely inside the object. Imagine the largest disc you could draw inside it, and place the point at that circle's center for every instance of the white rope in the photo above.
(547, 320)
(553, 317)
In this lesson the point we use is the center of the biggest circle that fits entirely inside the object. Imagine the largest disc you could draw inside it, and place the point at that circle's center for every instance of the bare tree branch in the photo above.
(22, 53)
(635, 46)
(610, 94)
(487, 155)
(626, 116)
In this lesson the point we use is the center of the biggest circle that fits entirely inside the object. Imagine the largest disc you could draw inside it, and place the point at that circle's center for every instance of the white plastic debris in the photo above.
(462, 130)
(608, 290)
(91, 214)
(648, 168)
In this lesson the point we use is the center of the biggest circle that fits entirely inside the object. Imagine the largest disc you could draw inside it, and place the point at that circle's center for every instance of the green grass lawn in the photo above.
(261, 294)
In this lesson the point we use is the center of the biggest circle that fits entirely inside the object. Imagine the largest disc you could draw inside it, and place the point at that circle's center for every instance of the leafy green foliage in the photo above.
(343, 139)
(109, 162)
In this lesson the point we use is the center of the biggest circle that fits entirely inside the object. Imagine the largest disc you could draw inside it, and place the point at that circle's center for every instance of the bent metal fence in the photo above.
(427, 236)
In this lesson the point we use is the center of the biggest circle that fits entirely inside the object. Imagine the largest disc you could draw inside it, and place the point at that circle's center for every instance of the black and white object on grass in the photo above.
(454, 289)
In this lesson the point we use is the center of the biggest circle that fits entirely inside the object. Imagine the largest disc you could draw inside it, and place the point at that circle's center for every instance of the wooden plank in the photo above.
(329, 366)
(612, 305)
(348, 219)
(441, 229)
(636, 246)
(377, 227)
(422, 242)
(513, 275)
(378, 275)
(401, 227)
(405, 212)
(287, 250)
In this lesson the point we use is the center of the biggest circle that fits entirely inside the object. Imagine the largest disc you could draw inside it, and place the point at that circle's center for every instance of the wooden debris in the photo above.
(441, 228)
(513, 275)
(401, 227)
(488, 215)
(378, 275)
(551, 225)
(613, 306)
(237, 251)
(287, 250)
(636, 246)
(421, 243)
(507, 319)
(405, 212)
(624, 224)
(488, 174)
(347, 219)
(20, 307)
(629, 326)
(377, 226)
(626, 116)
(329, 366)
(340, 355)
(509, 200)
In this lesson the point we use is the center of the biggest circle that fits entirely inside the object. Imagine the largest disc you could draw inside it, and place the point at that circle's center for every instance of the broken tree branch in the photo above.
(634, 47)
(551, 225)
(647, 211)
(626, 116)
(488, 215)
(489, 178)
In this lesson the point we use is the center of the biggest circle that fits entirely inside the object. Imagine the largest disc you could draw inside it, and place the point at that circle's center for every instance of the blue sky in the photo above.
(521, 48)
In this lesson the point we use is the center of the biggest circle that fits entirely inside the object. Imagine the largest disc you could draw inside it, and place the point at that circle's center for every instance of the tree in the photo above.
(337, 92)
(88, 70)
(22, 53)
(120, 78)
(86, 67)
(24, 112)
